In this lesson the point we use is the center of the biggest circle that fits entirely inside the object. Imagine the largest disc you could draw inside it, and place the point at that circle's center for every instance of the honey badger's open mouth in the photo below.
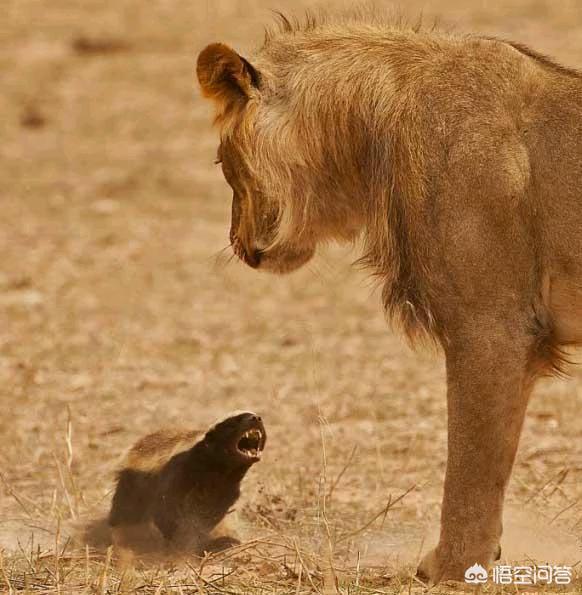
(251, 444)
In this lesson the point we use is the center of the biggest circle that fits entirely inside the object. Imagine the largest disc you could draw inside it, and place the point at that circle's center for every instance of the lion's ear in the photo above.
(225, 77)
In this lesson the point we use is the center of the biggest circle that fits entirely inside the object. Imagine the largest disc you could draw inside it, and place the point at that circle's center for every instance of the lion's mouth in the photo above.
(251, 444)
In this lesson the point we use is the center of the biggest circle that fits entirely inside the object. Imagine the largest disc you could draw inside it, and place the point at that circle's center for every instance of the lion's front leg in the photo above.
(488, 387)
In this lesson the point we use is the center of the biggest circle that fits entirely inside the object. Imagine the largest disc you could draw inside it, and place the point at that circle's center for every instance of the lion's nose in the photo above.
(254, 258)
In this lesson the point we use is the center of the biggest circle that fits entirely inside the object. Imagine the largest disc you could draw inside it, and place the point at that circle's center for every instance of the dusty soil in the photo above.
(119, 313)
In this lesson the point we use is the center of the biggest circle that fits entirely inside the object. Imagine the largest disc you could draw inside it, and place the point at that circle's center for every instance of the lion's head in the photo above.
(277, 217)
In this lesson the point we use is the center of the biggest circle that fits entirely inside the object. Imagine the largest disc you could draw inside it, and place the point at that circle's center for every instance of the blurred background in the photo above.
(120, 312)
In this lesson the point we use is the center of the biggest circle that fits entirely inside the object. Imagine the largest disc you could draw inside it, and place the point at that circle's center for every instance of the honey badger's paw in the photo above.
(442, 564)
(220, 544)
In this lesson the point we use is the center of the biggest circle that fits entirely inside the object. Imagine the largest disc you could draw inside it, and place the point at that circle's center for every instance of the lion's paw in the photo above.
(441, 564)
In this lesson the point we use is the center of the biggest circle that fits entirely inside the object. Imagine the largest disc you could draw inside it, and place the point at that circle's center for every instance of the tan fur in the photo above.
(226, 79)
(457, 161)
(154, 450)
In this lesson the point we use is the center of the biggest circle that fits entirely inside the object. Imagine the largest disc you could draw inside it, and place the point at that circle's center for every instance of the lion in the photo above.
(456, 160)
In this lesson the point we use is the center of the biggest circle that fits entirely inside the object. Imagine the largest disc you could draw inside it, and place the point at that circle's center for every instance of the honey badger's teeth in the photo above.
(250, 442)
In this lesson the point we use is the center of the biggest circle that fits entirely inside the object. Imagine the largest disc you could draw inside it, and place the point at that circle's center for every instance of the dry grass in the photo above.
(117, 316)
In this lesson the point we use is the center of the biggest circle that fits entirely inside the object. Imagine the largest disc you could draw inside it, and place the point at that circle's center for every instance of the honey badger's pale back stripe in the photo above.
(154, 450)
(229, 415)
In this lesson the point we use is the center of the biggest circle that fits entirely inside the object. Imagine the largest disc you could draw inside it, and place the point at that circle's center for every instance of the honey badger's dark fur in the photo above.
(183, 483)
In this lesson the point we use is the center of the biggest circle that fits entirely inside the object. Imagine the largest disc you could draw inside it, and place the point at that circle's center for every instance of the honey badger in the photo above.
(183, 483)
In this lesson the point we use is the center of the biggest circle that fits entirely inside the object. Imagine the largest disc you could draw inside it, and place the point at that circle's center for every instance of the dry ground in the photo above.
(116, 317)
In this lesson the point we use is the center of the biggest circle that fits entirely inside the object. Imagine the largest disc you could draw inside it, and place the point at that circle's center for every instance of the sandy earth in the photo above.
(117, 316)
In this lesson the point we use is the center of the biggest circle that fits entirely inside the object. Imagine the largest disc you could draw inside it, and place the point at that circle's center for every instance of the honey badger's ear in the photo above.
(225, 77)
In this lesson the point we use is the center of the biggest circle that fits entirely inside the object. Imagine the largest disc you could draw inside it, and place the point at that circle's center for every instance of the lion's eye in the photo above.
(218, 159)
